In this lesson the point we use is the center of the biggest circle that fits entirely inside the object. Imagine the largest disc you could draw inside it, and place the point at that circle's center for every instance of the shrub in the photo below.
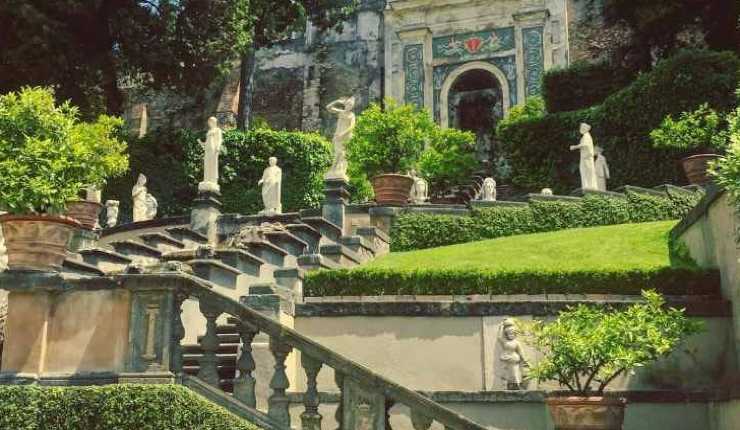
(389, 139)
(420, 231)
(111, 407)
(582, 85)
(696, 131)
(47, 155)
(537, 148)
(726, 171)
(380, 282)
(450, 158)
(587, 347)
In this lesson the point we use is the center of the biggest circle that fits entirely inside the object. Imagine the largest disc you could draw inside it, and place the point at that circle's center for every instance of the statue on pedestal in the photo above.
(111, 213)
(419, 190)
(602, 169)
(139, 193)
(343, 133)
(546, 192)
(587, 167)
(488, 192)
(271, 182)
(512, 356)
(211, 149)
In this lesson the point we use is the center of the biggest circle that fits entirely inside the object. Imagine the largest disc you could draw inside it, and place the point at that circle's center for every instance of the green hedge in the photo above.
(420, 231)
(121, 407)
(537, 148)
(582, 85)
(172, 162)
(379, 282)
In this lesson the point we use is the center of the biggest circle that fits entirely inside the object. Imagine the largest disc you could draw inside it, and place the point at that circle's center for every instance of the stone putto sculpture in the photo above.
(587, 167)
(419, 190)
(211, 150)
(271, 183)
(151, 207)
(488, 192)
(343, 133)
(546, 192)
(252, 233)
(602, 169)
(111, 213)
(511, 355)
(139, 193)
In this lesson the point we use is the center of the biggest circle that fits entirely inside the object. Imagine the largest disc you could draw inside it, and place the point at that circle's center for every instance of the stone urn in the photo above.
(696, 166)
(586, 413)
(37, 242)
(86, 212)
(392, 189)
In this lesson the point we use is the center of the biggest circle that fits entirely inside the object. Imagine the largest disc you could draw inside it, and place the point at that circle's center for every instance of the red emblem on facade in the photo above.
(473, 44)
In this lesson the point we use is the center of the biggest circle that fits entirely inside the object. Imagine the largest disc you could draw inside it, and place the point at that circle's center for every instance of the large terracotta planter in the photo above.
(696, 167)
(36, 242)
(392, 189)
(586, 413)
(85, 212)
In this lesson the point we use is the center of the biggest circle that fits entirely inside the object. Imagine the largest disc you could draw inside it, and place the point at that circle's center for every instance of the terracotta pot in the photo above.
(586, 413)
(392, 189)
(85, 212)
(36, 242)
(696, 166)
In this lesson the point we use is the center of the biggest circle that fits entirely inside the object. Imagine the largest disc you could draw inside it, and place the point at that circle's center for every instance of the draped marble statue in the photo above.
(139, 193)
(271, 183)
(587, 166)
(111, 213)
(511, 356)
(602, 169)
(419, 189)
(488, 192)
(211, 150)
(343, 133)
(151, 207)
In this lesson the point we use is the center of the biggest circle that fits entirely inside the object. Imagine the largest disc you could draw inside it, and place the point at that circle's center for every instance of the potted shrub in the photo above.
(47, 156)
(697, 135)
(387, 142)
(587, 347)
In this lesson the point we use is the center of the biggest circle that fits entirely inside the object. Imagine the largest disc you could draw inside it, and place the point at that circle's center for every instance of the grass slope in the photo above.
(625, 246)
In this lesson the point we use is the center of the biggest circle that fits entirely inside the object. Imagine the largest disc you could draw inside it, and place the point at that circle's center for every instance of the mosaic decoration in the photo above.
(506, 64)
(413, 66)
(473, 45)
(533, 59)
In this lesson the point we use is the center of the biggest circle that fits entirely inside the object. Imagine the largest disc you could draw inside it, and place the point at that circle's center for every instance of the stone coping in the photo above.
(157, 222)
(484, 305)
(713, 192)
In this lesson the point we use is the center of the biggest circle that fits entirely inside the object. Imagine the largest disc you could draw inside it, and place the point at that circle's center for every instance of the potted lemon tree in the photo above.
(47, 156)
(588, 347)
(388, 142)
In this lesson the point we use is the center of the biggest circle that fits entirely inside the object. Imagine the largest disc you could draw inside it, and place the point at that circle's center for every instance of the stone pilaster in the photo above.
(205, 213)
(336, 198)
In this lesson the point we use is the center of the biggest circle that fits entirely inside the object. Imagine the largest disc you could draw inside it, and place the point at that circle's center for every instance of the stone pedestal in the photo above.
(84, 239)
(336, 198)
(205, 213)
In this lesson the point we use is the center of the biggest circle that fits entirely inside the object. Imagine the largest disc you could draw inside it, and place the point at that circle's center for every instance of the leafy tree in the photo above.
(84, 47)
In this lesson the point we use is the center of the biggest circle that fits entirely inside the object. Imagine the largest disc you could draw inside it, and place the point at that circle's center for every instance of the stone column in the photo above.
(336, 198)
(205, 213)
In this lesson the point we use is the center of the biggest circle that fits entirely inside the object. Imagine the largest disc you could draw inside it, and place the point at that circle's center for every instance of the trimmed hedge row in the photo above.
(420, 231)
(582, 85)
(537, 148)
(123, 407)
(379, 282)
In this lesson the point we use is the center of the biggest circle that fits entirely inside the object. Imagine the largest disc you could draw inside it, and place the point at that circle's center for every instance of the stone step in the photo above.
(241, 260)
(640, 190)
(308, 234)
(268, 252)
(316, 262)
(364, 249)
(226, 382)
(217, 272)
(162, 242)
(136, 250)
(105, 260)
(223, 349)
(80, 268)
(190, 238)
(288, 242)
(341, 255)
(327, 228)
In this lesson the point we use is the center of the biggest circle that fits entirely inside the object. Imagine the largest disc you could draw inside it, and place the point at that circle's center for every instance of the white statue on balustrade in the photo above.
(511, 356)
(139, 194)
(419, 189)
(342, 135)
(111, 213)
(587, 166)
(151, 207)
(546, 192)
(602, 169)
(271, 183)
(211, 150)
(488, 191)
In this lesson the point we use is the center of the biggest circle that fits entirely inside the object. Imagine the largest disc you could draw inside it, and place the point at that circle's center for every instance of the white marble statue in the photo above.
(151, 207)
(602, 169)
(211, 150)
(343, 133)
(93, 194)
(511, 356)
(488, 192)
(546, 192)
(271, 183)
(139, 193)
(587, 167)
(111, 213)
(419, 190)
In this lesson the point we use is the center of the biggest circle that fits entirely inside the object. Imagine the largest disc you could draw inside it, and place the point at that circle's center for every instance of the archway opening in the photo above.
(475, 103)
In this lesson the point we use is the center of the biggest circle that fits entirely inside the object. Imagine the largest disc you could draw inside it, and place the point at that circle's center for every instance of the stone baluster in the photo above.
(389, 403)
(339, 414)
(178, 333)
(245, 382)
(310, 418)
(420, 421)
(209, 343)
(278, 403)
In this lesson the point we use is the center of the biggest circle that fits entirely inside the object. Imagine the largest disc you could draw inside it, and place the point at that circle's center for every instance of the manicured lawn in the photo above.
(624, 246)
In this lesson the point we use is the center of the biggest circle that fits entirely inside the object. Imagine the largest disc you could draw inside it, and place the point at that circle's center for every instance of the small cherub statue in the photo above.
(602, 168)
(512, 356)
(111, 212)
(488, 193)
(546, 192)
(419, 190)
